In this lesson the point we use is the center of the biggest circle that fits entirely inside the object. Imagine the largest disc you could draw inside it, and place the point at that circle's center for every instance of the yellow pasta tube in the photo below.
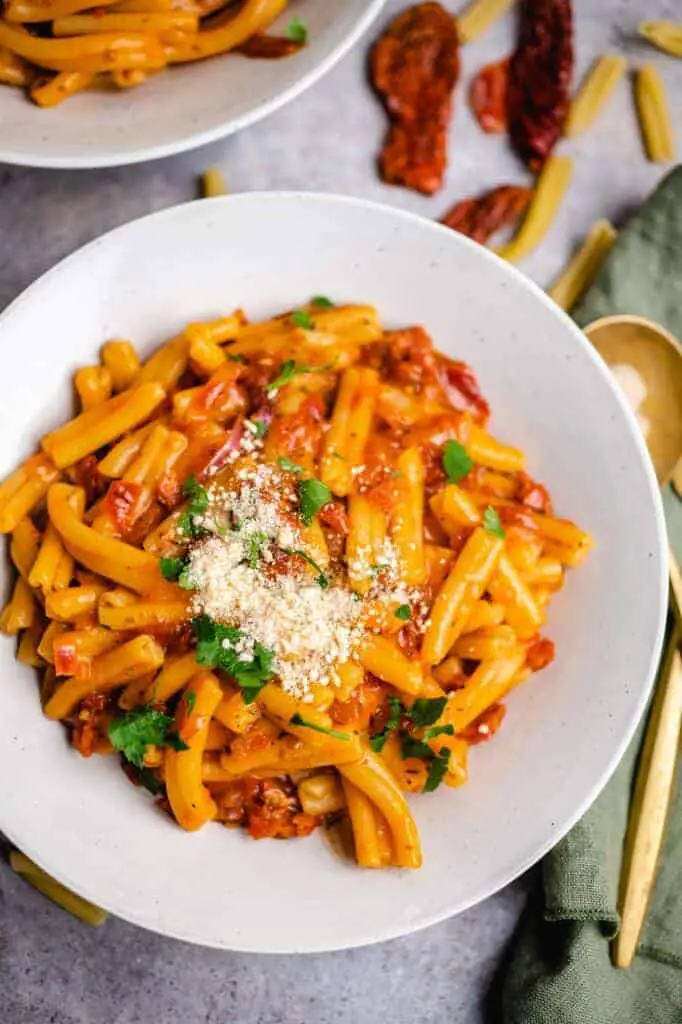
(486, 644)
(122, 455)
(593, 93)
(349, 428)
(212, 183)
(236, 715)
(282, 707)
(583, 268)
(110, 670)
(24, 545)
(27, 651)
(177, 671)
(463, 587)
(453, 508)
(51, 634)
(458, 768)
(167, 365)
(151, 615)
(367, 531)
(373, 779)
(24, 489)
(486, 450)
(63, 897)
(484, 614)
(43, 10)
(20, 611)
(72, 602)
(106, 556)
(122, 362)
(51, 93)
(521, 609)
(159, 23)
(554, 179)
(547, 572)
(254, 16)
(89, 54)
(206, 356)
(407, 519)
(486, 686)
(13, 70)
(384, 659)
(654, 114)
(478, 16)
(103, 424)
(409, 772)
(666, 35)
(321, 794)
(190, 800)
(49, 556)
(372, 844)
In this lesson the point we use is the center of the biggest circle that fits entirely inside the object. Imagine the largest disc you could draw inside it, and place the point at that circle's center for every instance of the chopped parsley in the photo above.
(149, 780)
(300, 720)
(290, 370)
(321, 302)
(258, 428)
(440, 730)
(397, 711)
(321, 579)
(216, 649)
(140, 728)
(491, 522)
(171, 568)
(256, 542)
(288, 465)
(190, 701)
(403, 612)
(300, 318)
(235, 359)
(456, 462)
(297, 32)
(185, 579)
(427, 710)
(411, 747)
(313, 495)
(437, 771)
(197, 497)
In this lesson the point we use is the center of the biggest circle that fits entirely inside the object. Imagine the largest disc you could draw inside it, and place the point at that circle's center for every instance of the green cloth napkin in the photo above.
(560, 970)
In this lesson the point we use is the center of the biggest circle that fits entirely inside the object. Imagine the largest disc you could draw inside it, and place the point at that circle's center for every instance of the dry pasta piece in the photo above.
(59, 894)
(654, 114)
(213, 183)
(583, 268)
(190, 800)
(50, 93)
(458, 595)
(588, 102)
(371, 836)
(103, 424)
(478, 16)
(551, 186)
(373, 779)
(666, 35)
(122, 362)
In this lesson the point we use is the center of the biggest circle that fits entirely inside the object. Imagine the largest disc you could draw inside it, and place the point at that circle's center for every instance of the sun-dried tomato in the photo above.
(540, 653)
(269, 808)
(482, 217)
(463, 380)
(540, 79)
(87, 475)
(485, 726)
(488, 96)
(268, 47)
(415, 67)
(334, 516)
(532, 494)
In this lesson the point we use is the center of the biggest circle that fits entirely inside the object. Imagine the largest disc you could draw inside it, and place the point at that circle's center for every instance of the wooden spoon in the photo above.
(647, 362)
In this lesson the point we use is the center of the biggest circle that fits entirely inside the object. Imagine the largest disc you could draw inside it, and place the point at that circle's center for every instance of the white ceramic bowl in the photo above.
(184, 107)
(565, 729)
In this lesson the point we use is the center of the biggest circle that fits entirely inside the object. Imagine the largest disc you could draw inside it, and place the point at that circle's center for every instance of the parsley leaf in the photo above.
(235, 359)
(437, 770)
(133, 732)
(185, 579)
(411, 747)
(256, 542)
(313, 495)
(491, 522)
(397, 710)
(300, 720)
(197, 497)
(258, 428)
(190, 701)
(403, 612)
(440, 730)
(427, 710)
(297, 32)
(456, 462)
(288, 465)
(171, 568)
(215, 649)
(149, 780)
(321, 579)
(321, 302)
(300, 318)
(174, 742)
(290, 369)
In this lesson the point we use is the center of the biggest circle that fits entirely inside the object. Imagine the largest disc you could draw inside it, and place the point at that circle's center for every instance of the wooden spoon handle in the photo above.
(653, 789)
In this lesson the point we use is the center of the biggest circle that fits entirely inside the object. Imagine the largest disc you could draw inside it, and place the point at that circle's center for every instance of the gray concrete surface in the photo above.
(54, 970)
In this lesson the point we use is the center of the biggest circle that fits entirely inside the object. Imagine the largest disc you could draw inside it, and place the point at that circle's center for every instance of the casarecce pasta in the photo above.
(284, 572)
(123, 42)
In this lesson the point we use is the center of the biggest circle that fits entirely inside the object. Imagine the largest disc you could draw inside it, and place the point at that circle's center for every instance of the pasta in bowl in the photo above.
(565, 726)
(285, 571)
